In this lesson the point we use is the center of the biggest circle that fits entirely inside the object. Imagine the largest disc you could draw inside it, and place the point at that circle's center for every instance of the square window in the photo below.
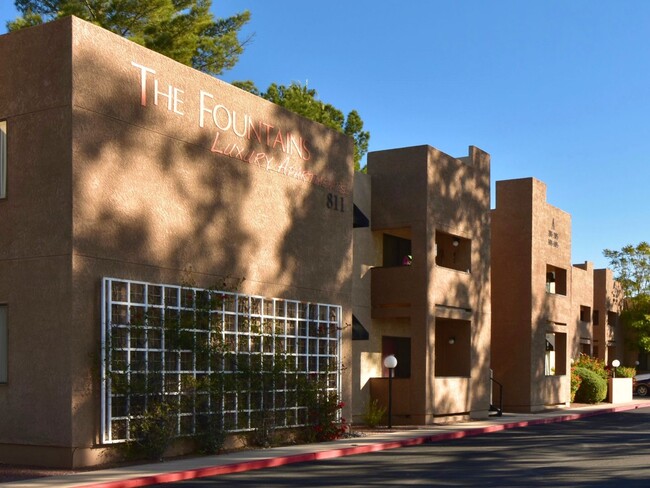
(585, 313)
(555, 354)
(556, 280)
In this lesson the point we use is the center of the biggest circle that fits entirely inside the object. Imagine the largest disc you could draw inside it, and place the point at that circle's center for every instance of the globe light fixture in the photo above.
(615, 364)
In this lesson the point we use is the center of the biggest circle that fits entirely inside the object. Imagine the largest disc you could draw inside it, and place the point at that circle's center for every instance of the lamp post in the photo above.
(390, 362)
(615, 364)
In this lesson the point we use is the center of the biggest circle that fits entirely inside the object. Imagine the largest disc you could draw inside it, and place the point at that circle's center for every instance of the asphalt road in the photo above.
(611, 450)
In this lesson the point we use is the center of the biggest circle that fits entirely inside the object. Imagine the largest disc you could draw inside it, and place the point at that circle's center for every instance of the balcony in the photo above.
(452, 288)
(393, 291)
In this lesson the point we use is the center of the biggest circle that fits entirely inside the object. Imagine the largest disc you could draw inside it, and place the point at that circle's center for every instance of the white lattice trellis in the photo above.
(171, 341)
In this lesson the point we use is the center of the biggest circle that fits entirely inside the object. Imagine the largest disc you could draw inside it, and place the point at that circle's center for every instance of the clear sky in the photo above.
(554, 89)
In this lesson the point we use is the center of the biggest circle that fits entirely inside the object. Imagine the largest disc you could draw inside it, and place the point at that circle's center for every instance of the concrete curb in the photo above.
(349, 451)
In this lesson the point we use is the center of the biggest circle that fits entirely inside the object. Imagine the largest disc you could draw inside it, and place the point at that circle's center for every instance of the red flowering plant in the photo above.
(323, 411)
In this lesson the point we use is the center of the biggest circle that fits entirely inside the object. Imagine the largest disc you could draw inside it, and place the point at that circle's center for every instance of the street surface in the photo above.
(611, 450)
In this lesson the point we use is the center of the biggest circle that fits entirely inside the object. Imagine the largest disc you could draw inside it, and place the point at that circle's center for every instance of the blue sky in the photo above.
(554, 89)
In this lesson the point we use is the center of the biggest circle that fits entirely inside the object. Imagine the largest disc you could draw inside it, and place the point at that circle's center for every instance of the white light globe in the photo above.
(616, 363)
(390, 362)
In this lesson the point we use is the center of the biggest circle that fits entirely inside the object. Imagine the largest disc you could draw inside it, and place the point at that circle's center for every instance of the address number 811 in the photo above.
(335, 202)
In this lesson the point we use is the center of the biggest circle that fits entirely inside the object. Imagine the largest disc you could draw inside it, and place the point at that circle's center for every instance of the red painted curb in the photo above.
(348, 451)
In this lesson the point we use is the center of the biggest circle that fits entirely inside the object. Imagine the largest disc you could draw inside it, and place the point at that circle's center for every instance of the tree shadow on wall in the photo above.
(460, 203)
(153, 196)
(424, 190)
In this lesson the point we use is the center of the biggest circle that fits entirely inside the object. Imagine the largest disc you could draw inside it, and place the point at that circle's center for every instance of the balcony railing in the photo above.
(393, 290)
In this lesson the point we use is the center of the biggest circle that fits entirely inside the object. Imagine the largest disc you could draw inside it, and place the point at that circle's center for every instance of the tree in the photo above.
(184, 30)
(304, 101)
(631, 266)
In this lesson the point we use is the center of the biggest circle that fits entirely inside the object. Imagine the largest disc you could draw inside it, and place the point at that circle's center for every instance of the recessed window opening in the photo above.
(612, 319)
(611, 352)
(397, 251)
(585, 313)
(400, 347)
(596, 317)
(453, 252)
(555, 280)
(555, 354)
(453, 348)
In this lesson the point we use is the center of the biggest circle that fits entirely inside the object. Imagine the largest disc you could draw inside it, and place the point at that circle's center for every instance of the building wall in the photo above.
(36, 241)
(582, 300)
(511, 341)
(117, 168)
(459, 294)
(366, 353)
(418, 193)
(608, 334)
(526, 229)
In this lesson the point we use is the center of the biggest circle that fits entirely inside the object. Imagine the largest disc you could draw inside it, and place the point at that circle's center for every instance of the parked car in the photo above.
(641, 384)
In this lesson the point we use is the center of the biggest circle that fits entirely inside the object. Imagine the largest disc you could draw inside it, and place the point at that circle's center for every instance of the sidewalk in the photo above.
(190, 468)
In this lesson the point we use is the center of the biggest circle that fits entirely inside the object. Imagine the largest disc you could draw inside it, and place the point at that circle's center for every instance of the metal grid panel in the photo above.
(194, 346)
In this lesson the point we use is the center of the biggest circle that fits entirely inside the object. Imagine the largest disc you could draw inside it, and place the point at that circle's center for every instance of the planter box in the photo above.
(619, 390)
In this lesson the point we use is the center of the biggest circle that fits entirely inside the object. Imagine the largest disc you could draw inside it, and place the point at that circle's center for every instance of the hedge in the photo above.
(593, 388)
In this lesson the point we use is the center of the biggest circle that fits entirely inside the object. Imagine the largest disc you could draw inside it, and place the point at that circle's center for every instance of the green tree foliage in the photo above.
(304, 101)
(184, 30)
(631, 266)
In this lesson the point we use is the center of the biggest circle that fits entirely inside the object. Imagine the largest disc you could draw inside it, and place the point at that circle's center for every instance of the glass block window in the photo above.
(211, 354)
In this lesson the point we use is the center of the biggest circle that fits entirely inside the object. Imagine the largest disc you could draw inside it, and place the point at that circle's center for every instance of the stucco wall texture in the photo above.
(124, 163)
(528, 236)
(418, 194)
(536, 291)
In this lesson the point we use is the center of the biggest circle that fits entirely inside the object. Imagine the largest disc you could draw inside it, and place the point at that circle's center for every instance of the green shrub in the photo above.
(625, 372)
(374, 413)
(264, 429)
(154, 431)
(212, 435)
(593, 388)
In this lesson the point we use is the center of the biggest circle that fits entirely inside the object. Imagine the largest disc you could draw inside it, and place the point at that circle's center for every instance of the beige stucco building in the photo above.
(136, 193)
(127, 175)
(422, 283)
(608, 343)
(545, 311)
